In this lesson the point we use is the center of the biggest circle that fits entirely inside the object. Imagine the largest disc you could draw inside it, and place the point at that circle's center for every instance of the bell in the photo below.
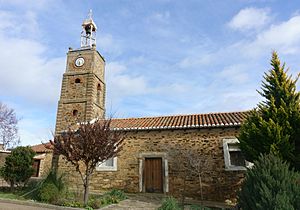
(88, 30)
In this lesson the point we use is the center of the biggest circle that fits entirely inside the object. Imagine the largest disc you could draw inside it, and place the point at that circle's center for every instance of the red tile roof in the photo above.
(42, 148)
(210, 120)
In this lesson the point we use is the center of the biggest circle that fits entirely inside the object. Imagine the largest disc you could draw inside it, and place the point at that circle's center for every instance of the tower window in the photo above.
(77, 80)
(75, 112)
(98, 93)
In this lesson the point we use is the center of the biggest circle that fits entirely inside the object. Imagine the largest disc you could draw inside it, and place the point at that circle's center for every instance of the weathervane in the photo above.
(88, 33)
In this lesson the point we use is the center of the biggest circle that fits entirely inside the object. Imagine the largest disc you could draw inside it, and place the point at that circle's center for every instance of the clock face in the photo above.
(79, 62)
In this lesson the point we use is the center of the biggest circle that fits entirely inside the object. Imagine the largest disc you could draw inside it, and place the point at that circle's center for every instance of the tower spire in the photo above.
(90, 15)
(88, 33)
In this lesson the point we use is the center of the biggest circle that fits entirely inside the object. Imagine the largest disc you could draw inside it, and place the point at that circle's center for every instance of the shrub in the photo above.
(52, 189)
(119, 194)
(18, 166)
(49, 193)
(108, 199)
(56, 180)
(32, 189)
(75, 204)
(169, 203)
(270, 185)
(94, 203)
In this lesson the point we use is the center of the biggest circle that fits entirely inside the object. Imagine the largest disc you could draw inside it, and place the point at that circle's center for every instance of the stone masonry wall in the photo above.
(218, 184)
(3, 155)
(87, 95)
(45, 164)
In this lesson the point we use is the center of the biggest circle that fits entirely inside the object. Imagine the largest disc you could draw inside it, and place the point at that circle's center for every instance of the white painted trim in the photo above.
(5, 151)
(140, 175)
(166, 185)
(165, 167)
(40, 156)
(228, 166)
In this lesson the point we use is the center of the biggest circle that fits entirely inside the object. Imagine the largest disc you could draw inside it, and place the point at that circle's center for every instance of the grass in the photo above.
(8, 195)
(70, 199)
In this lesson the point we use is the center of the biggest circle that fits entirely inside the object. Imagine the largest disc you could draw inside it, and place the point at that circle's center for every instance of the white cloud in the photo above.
(106, 43)
(195, 60)
(238, 100)
(34, 131)
(283, 37)
(25, 72)
(30, 4)
(250, 19)
(160, 18)
(158, 25)
(120, 84)
(234, 74)
(15, 26)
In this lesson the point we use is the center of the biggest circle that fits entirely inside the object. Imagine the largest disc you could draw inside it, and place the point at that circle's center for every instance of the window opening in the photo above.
(233, 157)
(75, 112)
(98, 93)
(108, 165)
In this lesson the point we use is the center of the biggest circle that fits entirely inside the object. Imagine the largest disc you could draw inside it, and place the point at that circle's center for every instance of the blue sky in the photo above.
(163, 57)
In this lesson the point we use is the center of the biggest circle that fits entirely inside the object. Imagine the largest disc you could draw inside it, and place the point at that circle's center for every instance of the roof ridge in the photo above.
(180, 115)
(40, 144)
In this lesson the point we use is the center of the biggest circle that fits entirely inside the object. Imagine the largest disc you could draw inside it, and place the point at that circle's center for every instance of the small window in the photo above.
(98, 88)
(77, 80)
(75, 112)
(108, 165)
(109, 162)
(233, 157)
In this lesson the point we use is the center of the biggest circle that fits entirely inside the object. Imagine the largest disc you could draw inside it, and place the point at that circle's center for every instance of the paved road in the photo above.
(13, 206)
(123, 205)
(27, 205)
(132, 205)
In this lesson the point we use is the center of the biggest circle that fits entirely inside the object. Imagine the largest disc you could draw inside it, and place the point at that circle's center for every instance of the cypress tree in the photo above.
(274, 126)
(270, 184)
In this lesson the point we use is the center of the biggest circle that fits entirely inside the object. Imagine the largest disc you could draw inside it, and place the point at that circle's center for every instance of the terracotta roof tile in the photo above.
(42, 148)
(227, 119)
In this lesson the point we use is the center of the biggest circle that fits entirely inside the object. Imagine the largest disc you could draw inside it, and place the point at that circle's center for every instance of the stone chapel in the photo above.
(152, 157)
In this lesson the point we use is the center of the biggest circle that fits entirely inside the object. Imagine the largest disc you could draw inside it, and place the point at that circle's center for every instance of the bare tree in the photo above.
(8, 127)
(190, 163)
(196, 165)
(90, 144)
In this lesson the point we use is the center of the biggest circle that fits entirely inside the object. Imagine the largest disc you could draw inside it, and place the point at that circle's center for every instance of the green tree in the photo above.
(275, 125)
(18, 166)
(270, 184)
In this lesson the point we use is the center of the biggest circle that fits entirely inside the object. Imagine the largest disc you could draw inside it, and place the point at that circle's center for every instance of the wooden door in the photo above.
(36, 167)
(153, 175)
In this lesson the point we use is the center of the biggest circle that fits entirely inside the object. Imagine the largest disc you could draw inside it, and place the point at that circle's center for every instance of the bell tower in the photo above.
(82, 95)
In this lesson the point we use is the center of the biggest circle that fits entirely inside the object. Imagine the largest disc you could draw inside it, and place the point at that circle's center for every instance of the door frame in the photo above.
(165, 170)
